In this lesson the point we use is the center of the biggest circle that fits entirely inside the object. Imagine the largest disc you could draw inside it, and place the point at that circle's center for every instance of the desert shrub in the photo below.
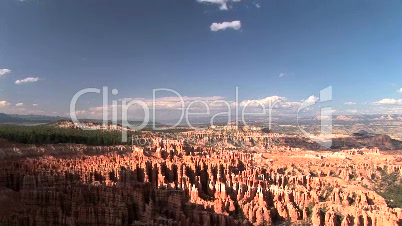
(389, 186)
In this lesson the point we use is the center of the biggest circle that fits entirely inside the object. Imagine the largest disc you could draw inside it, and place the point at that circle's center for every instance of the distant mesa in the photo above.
(4, 118)
(363, 133)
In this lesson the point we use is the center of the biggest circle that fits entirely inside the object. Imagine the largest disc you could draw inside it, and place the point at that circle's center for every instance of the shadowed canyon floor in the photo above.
(168, 180)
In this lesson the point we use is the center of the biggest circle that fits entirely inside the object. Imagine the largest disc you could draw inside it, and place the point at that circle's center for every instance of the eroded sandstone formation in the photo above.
(171, 182)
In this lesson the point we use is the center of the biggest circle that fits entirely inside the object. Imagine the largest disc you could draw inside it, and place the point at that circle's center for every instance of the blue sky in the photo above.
(284, 48)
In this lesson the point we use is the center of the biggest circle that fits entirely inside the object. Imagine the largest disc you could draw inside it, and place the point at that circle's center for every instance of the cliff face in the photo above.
(384, 142)
(169, 183)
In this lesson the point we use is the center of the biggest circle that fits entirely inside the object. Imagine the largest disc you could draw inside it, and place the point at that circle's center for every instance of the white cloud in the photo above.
(276, 103)
(170, 107)
(353, 111)
(281, 75)
(4, 103)
(175, 103)
(4, 71)
(19, 104)
(27, 80)
(223, 4)
(305, 104)
(235, 25)
(311, 99)
(350, 103)
(389, 101)
(34, 105)
(399, 90)
(268, 101)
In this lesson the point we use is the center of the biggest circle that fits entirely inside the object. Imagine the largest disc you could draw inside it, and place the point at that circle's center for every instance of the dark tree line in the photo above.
(49, 134)
(389, 186)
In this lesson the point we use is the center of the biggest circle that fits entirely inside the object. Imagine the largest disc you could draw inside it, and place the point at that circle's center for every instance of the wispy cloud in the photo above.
(399, 90)
(4, 71)
(353, 111)
(350, 103)
(27, 80)
(268, 101)
(388, 101)
(223, 4)
(281, 75)
(171, 106)
(235, 25)
(19, 104)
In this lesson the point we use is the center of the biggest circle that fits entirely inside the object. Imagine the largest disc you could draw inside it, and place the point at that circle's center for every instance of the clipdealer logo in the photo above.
(231, 110)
